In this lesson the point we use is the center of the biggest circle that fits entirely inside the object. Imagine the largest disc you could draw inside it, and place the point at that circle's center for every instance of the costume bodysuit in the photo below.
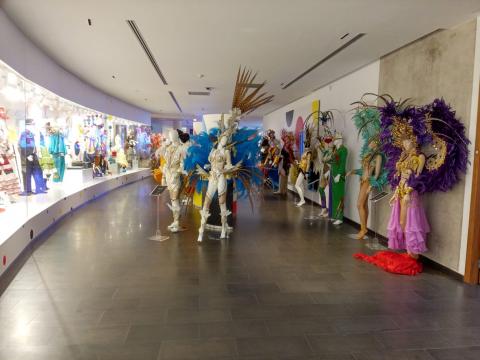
(338, 167)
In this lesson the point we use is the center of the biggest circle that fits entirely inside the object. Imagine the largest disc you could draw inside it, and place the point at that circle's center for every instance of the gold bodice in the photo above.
(408, 165)
(304, 161)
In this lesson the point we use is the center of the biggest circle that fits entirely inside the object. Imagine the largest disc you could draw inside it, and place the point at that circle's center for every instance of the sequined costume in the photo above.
(412, 234)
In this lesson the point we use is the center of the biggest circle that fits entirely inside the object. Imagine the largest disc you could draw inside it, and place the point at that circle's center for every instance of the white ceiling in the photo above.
(278, 38)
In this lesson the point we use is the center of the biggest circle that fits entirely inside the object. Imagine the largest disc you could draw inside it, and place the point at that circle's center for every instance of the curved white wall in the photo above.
(26, 58)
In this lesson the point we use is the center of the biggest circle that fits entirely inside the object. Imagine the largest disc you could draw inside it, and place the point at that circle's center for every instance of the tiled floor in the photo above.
(280, 288)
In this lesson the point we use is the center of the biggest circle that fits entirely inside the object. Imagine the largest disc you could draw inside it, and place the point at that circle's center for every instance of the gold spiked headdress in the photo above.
(247, 96)
(402, 130)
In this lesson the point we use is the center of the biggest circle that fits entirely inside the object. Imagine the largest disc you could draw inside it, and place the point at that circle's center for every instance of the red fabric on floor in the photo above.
(393, 262)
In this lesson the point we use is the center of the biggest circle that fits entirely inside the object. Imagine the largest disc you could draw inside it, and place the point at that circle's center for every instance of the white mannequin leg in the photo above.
(224, 216)
(204, 213)
(175, 207)
(299, 187)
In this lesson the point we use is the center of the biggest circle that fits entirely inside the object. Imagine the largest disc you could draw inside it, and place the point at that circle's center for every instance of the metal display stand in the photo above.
(312, 216)
(374, 200)
(157, 192)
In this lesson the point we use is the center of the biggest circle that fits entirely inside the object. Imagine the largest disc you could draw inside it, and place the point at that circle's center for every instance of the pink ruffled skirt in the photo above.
(414, 239)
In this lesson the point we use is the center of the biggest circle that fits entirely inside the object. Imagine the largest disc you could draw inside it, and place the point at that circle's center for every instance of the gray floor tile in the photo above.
(197, 349)
(346, 344)
(276, 289)
(469, 353)
(147, 334)
(277, 345)
(233, 329)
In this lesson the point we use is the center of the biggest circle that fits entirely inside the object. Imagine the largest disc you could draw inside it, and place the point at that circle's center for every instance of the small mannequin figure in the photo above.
(174, 155)
(337, 179)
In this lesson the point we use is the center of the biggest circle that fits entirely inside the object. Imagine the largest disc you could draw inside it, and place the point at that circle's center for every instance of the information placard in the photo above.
(158, 190)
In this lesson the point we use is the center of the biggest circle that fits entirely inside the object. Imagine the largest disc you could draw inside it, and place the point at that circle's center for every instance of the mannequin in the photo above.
(406, 203)
(337, 179)
(372, 172)
(303, 169)
(220, 162)
(30, 165)
(272, 158)
(58, 150)
(369, 173)
(175, 154)
(287, 157)
(131, 144)
(120, 157)
(325, 156)
(46, 160)
(9, 182)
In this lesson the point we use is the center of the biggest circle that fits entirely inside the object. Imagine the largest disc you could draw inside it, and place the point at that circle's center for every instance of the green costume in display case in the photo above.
(58, 150)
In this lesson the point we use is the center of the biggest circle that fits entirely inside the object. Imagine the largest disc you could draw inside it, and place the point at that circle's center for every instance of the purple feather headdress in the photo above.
(434, 127)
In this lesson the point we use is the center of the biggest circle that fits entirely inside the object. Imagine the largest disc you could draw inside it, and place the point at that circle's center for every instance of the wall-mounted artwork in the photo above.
(289, 118)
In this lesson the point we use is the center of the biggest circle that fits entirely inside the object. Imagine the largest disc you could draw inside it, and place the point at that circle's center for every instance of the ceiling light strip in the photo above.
(145, 47)
(199, 93)
(326, 58)
(175, 101)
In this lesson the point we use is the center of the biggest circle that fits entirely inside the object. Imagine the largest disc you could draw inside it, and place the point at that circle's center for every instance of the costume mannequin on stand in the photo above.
(219, 163)
(337, 179)
(9, 181)
(272, 159)
(131, 145)
(325, 156)
(58, 150)
(303, 169)
(173, 169)
(406, 203)
(46, 160)
(372, 173)
(287, 157)
(30, 164)
(120, 157)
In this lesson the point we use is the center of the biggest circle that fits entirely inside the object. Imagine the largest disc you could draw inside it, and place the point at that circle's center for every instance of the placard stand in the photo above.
(312, 216)
(157, 191)
(374, 199)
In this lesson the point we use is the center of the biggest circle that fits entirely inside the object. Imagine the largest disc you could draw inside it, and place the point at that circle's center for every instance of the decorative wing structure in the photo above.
(437, 132)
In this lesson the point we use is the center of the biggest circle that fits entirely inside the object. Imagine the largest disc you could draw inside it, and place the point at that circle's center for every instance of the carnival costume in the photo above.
(372, 172)
(338, 164)
(174, 156)
(287, 157)
(235, 154)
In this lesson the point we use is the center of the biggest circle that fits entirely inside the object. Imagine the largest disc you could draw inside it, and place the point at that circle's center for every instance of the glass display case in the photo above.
(49, 143)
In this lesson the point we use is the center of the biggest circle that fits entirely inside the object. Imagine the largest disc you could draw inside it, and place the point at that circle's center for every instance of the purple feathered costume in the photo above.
(448, 128)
